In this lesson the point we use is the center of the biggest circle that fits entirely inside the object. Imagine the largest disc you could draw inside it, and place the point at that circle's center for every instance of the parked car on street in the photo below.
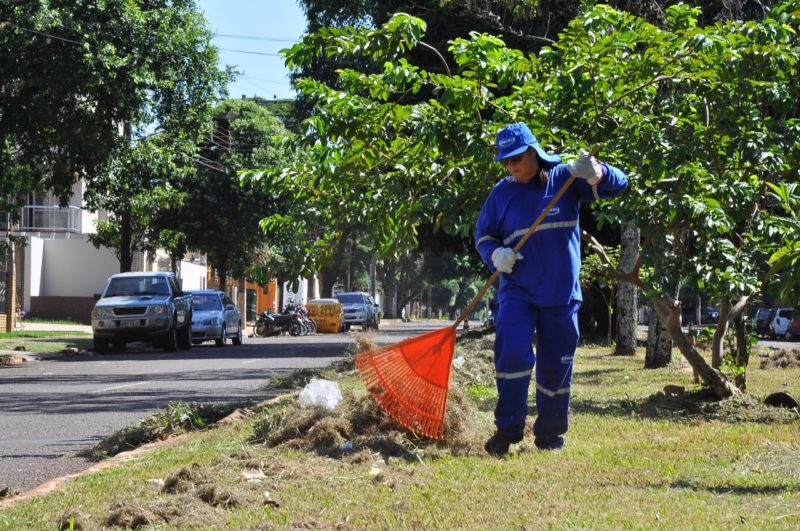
(761, 320)
(793, 333)
(708, 315)
(780, 322)
(142, 306)
(215, 317)
(359, 309)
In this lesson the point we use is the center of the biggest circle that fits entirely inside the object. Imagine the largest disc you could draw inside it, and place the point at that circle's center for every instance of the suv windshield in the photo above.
(137, 286)
(350, 297)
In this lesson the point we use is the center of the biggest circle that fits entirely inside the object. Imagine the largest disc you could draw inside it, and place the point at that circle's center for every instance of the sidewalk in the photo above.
(53, 327)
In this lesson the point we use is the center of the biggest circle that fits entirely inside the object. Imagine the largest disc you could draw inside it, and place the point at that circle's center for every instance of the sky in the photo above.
(246, 30)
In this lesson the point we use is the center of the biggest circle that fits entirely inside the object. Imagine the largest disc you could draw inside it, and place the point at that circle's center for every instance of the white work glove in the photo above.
(586, 167)
(504, 259)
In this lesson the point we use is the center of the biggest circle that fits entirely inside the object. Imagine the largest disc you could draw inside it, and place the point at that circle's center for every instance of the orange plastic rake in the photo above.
(410, 380)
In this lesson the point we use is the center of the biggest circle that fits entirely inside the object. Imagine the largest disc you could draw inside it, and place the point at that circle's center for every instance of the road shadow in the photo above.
(245, 351)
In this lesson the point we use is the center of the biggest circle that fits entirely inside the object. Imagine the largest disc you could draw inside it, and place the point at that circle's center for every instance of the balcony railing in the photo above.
(37, 218)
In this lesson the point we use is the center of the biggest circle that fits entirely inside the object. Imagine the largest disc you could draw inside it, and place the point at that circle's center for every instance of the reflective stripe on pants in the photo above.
(556, 340)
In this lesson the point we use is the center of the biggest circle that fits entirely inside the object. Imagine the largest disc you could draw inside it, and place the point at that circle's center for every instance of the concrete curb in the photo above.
(10, 357)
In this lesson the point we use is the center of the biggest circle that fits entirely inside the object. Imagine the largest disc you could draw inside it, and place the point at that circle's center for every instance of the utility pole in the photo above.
(11, 289)
(372, 283)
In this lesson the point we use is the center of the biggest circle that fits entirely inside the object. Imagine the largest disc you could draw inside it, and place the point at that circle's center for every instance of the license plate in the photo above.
(128, 324)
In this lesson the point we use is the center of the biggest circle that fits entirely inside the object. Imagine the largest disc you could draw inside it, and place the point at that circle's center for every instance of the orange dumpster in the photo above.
(327, 313)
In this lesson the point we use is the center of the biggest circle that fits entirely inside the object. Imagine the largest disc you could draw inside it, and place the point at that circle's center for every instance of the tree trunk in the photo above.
(350, 264)
(314, 289)
(327, 279)
(394, 301)
(719, 333)
(627, 293)
(610, 305)
(222, 269)
(125, 251)
(659, 344)
(386, 272)
(669, 311)
(742, 353)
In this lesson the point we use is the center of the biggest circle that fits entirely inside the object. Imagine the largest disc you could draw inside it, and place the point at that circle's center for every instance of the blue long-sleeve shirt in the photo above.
(548, 274)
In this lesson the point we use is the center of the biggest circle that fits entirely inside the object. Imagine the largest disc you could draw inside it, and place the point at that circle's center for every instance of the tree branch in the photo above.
(669, 312)
(631, 277)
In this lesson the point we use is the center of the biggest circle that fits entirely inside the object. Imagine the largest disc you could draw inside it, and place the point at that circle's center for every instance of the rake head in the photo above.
(410, 379)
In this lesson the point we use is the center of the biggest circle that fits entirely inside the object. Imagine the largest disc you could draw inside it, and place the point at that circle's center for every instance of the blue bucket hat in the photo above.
(516, 138)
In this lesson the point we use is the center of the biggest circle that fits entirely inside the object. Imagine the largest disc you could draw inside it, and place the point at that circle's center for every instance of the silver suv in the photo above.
(359, 309)
(143, 306)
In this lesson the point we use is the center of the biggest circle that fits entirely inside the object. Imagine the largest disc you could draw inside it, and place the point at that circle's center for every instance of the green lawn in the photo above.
(634, 458)
(40, 342)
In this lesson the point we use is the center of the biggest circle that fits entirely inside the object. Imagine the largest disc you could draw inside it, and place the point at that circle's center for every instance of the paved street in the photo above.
(57, 407)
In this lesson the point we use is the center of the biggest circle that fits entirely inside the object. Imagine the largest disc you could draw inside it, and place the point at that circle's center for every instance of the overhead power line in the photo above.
(43, 34)
(284, 82)
(252, 38)
(250, 52)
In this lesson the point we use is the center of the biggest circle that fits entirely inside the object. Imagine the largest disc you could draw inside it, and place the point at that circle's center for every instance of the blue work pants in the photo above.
(556, 331)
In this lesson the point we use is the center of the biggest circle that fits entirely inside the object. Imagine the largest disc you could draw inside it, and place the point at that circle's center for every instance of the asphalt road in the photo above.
(57, 407)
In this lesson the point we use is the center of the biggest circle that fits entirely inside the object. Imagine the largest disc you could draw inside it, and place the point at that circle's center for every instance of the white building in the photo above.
(59, 273)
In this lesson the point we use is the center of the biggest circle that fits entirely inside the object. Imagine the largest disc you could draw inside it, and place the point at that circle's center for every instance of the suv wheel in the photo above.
(171, 340)
(100, 345)
(185, 337)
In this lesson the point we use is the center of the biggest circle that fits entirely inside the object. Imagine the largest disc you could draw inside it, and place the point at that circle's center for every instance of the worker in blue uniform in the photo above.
(539, 292)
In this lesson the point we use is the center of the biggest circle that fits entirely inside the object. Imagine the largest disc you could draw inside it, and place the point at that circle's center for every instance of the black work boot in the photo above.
(498, 444)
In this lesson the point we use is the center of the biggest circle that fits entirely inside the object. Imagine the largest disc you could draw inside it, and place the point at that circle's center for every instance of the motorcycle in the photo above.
(274, 324)
(308, 325)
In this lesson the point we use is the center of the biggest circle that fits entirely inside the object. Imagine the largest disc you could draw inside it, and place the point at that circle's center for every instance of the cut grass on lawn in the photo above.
(41, 342)
(635, 458)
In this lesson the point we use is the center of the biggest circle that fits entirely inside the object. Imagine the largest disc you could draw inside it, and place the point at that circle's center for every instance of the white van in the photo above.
(780, 323)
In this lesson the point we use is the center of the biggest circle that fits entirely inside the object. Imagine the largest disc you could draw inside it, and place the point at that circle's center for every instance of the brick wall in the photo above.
(78, 309)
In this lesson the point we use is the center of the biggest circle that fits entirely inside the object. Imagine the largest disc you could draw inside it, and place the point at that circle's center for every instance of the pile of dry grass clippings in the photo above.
(358, 423)
(782, 359)
(187, 479)
(473, 362)
(704, 405)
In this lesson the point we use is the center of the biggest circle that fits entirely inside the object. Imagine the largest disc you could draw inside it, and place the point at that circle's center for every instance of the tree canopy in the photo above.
(74, 72)
(702, 119)
(220, 217)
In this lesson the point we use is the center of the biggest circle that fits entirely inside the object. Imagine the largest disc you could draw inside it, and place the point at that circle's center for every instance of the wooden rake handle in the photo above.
(520, 243)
